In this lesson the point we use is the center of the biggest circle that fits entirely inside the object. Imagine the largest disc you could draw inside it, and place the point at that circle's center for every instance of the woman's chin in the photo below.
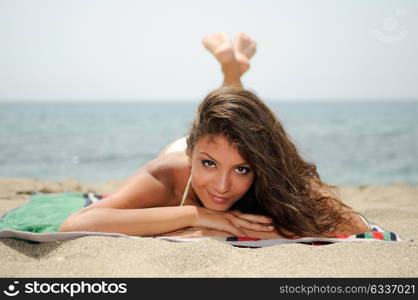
(216, 207)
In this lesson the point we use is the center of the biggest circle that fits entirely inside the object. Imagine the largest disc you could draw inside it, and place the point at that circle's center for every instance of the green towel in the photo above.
(44, 213)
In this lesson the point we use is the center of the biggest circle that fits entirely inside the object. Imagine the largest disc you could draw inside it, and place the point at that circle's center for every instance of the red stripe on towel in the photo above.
(243, 238)
(341, 236)
(378, 235)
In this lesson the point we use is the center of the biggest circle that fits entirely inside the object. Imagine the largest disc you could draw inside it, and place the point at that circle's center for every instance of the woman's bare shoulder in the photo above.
(169, 163)
(165, 165)
(156, 184)
(172, 168)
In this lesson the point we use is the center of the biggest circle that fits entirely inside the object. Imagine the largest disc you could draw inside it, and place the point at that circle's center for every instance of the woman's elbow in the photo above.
(67, 225)
(72, 223)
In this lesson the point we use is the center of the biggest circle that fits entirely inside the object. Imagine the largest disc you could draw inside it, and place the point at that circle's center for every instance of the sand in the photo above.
(393, 207)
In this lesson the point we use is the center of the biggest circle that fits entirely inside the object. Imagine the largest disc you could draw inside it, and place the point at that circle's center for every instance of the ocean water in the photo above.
(351, 143)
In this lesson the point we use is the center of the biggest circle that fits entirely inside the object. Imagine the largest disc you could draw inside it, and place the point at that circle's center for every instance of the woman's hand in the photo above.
(234, 222)
(196, 232)
(210, 223)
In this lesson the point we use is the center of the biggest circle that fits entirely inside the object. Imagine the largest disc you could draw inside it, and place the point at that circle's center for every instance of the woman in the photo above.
(237, 173)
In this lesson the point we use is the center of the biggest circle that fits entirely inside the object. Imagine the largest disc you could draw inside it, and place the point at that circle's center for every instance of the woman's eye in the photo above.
(207, 163)
(239, 170)
(243, 170)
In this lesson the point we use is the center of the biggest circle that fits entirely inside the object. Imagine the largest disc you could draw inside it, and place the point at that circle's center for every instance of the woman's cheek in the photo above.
(200, 181)
(201, 177)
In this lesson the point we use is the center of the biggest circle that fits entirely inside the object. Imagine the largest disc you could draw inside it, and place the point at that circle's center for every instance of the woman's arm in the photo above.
(141, 206)
(159, 220)
(136, 222)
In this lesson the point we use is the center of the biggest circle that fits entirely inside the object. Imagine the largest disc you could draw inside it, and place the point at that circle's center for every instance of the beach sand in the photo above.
(394, 208)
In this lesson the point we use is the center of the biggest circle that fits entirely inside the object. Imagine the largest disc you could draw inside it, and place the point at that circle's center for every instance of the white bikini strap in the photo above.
(186, 191)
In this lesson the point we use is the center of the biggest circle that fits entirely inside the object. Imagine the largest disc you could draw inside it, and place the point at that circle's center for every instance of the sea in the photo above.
(353, 143)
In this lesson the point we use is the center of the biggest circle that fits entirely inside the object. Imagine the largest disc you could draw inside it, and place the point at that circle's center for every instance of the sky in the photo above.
(114, 50)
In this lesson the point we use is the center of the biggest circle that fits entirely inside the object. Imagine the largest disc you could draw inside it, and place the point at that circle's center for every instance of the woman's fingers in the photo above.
(195, 232)
(251, 225)
(240, 221)
(232, 228)
(253, 218)
(216, 220)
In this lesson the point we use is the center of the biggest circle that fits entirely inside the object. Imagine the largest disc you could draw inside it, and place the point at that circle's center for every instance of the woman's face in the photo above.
(220, 176)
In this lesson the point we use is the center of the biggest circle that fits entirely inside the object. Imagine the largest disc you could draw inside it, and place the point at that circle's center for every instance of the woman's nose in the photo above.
(222, 184)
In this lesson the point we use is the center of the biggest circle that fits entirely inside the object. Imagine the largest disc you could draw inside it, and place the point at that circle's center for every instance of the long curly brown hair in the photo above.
(286, 187)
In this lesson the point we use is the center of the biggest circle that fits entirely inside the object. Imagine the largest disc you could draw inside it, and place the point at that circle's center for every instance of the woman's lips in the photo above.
(219, 200)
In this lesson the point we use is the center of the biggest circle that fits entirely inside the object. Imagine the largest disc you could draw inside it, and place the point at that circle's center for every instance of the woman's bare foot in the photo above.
(244, 49)
(220, 46)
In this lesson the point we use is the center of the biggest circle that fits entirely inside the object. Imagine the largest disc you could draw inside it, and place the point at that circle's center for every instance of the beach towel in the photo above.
(39, 219)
